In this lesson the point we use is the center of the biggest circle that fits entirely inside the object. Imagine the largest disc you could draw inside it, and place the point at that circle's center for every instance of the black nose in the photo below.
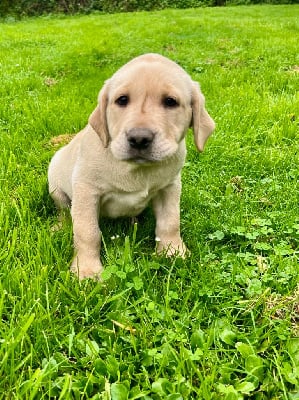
(140, 138)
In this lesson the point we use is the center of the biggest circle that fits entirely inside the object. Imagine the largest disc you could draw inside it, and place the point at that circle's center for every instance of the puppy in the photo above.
(129, 155)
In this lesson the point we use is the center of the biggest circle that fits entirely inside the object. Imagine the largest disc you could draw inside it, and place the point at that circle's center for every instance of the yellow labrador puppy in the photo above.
(130, 154)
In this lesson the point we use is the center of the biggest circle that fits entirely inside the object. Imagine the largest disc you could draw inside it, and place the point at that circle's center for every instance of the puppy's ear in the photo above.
(203, 124)
(98, 118)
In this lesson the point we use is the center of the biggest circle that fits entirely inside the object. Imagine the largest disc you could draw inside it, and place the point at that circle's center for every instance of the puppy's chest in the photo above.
(128, 198)
(125, 204)
(126, 191)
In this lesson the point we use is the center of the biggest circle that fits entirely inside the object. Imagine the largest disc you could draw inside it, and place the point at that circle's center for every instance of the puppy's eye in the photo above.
(122, 101)
(170, 102)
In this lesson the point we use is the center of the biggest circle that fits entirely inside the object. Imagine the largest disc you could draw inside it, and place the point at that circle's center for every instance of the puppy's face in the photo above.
(148, 112)
(146, 108)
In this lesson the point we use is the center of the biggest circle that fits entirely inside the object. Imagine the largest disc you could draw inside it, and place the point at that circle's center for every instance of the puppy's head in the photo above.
(146, 108)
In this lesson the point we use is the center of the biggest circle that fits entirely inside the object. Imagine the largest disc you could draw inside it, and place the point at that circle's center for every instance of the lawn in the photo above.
(221, 324)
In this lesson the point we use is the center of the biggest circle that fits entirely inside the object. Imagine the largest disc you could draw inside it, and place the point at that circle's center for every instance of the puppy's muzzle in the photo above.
(140, 138)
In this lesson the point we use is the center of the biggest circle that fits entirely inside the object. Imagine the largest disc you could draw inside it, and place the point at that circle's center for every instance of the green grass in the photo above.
(222, 324)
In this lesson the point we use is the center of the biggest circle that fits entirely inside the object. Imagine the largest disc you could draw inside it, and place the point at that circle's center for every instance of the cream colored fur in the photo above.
(130, 155)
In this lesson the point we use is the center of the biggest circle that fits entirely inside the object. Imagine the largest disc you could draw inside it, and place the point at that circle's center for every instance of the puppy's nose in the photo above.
(140, 138)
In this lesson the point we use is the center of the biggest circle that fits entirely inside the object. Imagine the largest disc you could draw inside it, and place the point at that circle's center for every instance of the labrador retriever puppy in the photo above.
(129, 155)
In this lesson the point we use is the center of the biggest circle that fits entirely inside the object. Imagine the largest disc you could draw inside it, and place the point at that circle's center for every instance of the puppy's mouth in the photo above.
(144, 157)
(141, 161)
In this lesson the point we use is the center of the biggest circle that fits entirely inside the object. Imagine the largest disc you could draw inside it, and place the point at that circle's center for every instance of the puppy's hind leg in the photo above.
(61, 199)
(63, 204)
(57, 174)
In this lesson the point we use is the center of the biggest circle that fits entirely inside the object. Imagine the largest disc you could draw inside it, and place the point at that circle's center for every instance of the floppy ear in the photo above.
(98, 119)
(203, 124)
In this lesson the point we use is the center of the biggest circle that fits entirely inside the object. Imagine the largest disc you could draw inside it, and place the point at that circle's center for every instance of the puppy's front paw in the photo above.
(173, 248)
(87, 268)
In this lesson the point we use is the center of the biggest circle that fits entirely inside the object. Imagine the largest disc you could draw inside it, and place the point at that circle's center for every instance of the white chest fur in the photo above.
(119, 203)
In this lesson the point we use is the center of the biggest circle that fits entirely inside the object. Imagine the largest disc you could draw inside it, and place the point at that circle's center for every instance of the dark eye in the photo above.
(122, 101)
(170, 102)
